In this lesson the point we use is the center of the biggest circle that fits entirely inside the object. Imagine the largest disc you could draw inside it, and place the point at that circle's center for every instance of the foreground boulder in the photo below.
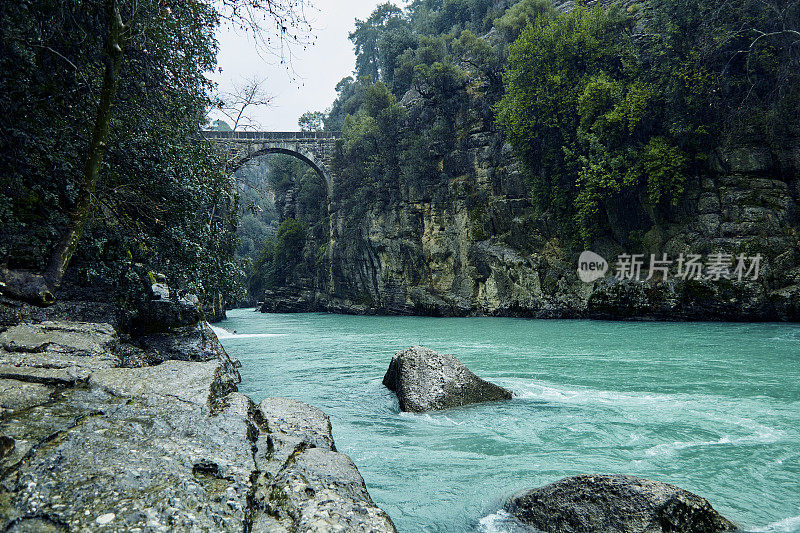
(99, 434)
(615, 504)
(425, 380)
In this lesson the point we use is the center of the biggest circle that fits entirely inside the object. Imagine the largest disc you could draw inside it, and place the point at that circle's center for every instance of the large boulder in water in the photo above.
(425, 380)
(615, 504)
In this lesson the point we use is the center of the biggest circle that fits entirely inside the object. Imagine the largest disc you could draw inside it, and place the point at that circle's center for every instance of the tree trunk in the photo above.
(27, 286)
(61, 255)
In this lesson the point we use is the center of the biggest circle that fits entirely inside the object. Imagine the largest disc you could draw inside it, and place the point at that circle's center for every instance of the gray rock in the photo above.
(36, 525)
(425, 380)
(87, 339)
(16, 395)
(198, 383)
(189, 343)
(322, 491)
(299, 420)
(49, 376)
(615, 504)
(59, 353)
(93, 455)
(304, 484)
(87, 445)
(163, 313)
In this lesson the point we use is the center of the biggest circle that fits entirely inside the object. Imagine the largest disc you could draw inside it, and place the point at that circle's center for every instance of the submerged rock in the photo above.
(615, 504)
(425, 380)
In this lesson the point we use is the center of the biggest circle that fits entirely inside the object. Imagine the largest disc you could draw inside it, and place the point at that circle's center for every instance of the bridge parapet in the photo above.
(270, 135)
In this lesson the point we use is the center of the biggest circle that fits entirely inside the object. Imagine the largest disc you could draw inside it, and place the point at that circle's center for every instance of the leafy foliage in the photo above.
(516, 18)
(279, 257)
(437, 61)
(163, 202)
(311, 121)
(596, 113)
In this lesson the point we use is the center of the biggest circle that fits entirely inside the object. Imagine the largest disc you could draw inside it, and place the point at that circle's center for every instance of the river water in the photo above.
(713, 408)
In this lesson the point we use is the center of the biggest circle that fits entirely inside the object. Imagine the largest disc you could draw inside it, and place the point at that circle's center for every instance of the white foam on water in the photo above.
(692, 403)
(787, 525)
(764, 435)
(499, 522)
(223, 333)
(743, 430)
(540, 391)
(436, 420)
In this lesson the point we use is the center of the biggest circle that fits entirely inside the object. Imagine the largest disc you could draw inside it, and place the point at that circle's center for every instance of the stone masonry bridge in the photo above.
(313, 147)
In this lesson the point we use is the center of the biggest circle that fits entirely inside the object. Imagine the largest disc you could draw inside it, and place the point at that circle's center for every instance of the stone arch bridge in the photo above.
(313, 147)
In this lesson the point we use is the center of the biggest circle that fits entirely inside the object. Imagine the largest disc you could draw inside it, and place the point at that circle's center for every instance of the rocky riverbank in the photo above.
(145, 431)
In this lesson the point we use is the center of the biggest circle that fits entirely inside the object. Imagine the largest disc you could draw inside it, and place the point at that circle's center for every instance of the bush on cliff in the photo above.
(279, 259)
(605, 103)
(603, 106)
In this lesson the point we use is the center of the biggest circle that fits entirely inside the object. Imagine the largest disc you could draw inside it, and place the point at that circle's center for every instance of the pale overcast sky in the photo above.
(316, 71)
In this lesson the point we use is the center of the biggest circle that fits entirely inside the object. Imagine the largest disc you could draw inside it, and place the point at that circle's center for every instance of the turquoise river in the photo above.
(713, 408)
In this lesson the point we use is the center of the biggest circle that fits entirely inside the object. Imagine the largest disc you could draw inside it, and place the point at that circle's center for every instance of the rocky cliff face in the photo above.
(474, 245)
(144, 431)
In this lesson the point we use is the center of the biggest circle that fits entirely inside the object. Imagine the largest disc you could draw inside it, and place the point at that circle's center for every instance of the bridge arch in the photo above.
(307, 158)
(315, 148)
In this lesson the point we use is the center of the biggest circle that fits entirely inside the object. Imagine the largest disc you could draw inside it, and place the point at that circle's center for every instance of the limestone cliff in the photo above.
(474, 245)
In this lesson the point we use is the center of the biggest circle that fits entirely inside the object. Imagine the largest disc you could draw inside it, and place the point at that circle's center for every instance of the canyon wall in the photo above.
(475, 245)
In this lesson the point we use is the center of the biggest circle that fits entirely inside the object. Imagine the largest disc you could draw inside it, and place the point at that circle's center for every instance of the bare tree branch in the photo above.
(246, 94)
(292, 26)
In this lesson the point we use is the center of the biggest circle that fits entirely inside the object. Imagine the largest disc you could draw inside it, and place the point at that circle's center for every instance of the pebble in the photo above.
(104, 519)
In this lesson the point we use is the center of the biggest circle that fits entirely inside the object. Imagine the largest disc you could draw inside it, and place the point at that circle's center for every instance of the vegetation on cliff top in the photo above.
(602, 105)
(606, 103)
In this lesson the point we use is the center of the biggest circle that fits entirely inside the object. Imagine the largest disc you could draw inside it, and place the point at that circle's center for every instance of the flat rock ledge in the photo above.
(98, 433)
(615, 504)
(425, 380)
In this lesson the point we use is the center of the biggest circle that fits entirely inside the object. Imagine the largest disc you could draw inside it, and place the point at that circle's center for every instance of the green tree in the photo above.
(102, 102)
(279, 258)
(516, 18)
(288, 252)
(367, 40)
(311, 121)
